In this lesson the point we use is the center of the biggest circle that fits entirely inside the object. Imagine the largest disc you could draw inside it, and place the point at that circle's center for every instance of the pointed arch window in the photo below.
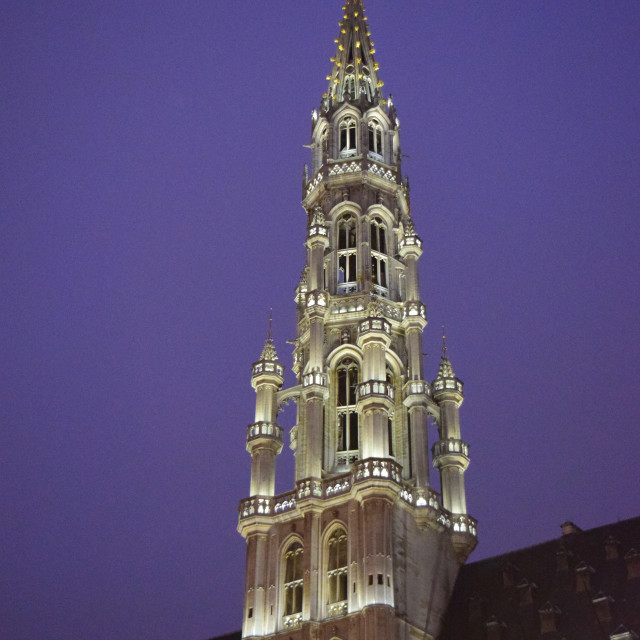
(389, 380)
(348, 426)
(337, 568)
(347, 255)
(321, 146)
(292, 585)
(379, 257)
(375, 140)
(348, 130)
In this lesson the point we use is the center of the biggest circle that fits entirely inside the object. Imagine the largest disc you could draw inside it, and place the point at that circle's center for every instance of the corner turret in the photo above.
(264, 436)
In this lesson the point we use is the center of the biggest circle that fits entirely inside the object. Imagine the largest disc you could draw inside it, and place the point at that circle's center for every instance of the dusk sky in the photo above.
(150, 207)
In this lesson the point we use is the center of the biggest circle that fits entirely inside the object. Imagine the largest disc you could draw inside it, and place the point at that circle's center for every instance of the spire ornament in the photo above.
(269, 349)
(354, 75)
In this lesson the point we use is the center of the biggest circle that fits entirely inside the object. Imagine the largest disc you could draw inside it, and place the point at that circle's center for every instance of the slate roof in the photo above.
(583, 585)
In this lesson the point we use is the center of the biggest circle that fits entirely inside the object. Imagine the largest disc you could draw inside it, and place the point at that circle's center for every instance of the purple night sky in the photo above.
(151, 176)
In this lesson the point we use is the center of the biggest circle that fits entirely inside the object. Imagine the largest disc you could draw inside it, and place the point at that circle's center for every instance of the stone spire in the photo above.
(445, 371)
(355, 72)
(269, 350)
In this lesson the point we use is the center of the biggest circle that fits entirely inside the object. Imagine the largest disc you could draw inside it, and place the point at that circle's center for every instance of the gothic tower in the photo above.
(362, 546)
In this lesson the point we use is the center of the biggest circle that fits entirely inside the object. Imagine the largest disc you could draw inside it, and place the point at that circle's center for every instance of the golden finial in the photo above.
(270, 321)
(444, 343)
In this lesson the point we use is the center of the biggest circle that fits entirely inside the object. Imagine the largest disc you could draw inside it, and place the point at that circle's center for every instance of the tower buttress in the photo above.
(353, 549)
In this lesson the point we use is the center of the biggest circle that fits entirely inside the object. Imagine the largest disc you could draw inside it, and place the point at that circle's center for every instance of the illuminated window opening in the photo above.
(347, 255)
(337, 567)
(293, 580)
(348, 145)
(379, 259)
(375, 140)
(348, 425)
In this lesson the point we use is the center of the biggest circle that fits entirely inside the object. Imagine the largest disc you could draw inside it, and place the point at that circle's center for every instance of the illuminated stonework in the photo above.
(362, 546)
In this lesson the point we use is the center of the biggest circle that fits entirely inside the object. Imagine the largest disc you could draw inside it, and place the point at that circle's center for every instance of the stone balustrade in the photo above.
(316, 299)
(450, 446)
(377, 468)
(463, 523)
(317, 230)
(417, 387)
(447, 384)
(362, 471)
(375, 324)
(292, 622)
(314, 378)
(308, 488)
(267, 366)
(411, 241)
(284, 502)
(264, 430)
(376, 388)
(414, 309)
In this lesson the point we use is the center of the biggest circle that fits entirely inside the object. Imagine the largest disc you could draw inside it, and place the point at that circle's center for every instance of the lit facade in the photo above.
(362, 546)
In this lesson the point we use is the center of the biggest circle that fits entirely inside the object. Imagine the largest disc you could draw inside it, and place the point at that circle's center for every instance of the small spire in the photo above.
(355, 72)
(269, 350)
(445, 370)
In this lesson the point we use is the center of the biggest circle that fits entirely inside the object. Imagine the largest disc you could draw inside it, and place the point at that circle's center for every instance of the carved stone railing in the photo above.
(293, 621)
(375, 324)
(317, 230)
(338, 485)
(450, 446)
(383, 292)
(337, 608)
(255, 506)
(382, 171)
(447, 384)
(417, 387)
(309, 487)
(267, 366)
(421, 498)
(347, 287)
(284, 502)
(345, 458)
(314, 378)
(317, 298)
(425, 501)
(410, 241)
(347, 305)
(414, 308)
(377, 468)
(376, 388)
(264, 430)
(312, 184)
(344, 167)
(463, 523)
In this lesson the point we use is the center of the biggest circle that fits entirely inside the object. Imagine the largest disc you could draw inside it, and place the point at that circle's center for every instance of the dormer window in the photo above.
(375, 140)
(348, 137)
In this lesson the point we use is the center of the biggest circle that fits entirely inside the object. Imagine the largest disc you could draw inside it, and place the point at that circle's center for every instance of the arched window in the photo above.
(348, 428)
(379, 259)
(320, 147)
(348, 137)
(375, 139)
(293, 585)
(337, 573)
(378, 236)
(347, 255)
(389, 380)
